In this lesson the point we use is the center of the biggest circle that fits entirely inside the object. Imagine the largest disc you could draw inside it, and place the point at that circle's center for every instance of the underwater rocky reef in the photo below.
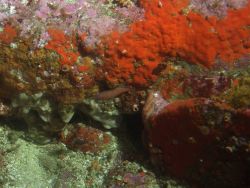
(124, 93)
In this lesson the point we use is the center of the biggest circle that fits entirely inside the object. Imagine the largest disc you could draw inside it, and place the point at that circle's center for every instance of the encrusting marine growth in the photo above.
(91, 74)
(170, 29)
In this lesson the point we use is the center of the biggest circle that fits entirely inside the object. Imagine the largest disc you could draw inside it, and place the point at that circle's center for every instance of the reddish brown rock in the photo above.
(200, 140)
(85, 139)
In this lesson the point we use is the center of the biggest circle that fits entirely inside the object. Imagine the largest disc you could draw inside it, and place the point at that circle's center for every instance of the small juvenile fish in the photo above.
(110, 94)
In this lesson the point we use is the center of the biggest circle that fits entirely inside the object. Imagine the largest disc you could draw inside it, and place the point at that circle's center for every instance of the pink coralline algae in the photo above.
(131, 12)
(14, 9)
(216, 7)
(95, 18)
(206, 86)
(55, 8)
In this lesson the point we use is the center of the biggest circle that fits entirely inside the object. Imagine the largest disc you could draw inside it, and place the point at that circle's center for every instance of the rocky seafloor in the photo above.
(25, 163)
(124, 93)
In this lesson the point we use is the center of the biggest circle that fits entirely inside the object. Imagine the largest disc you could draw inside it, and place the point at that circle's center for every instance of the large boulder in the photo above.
(197, 124)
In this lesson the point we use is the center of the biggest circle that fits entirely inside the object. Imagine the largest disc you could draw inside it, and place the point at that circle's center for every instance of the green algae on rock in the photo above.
(103, 111)
(52, 165)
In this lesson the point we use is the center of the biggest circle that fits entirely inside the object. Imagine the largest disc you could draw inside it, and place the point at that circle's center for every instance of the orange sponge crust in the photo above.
(8, 34)
(169, 30)
(64, 45)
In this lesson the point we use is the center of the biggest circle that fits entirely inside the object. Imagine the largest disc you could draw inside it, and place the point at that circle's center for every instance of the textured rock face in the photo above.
(25, 164)
(172, 29)
(216, 8)
(100, 59)
(201, 135)
(85, 139)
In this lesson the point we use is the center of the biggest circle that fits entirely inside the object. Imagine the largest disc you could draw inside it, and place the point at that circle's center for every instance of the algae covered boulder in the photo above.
(202, 137)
